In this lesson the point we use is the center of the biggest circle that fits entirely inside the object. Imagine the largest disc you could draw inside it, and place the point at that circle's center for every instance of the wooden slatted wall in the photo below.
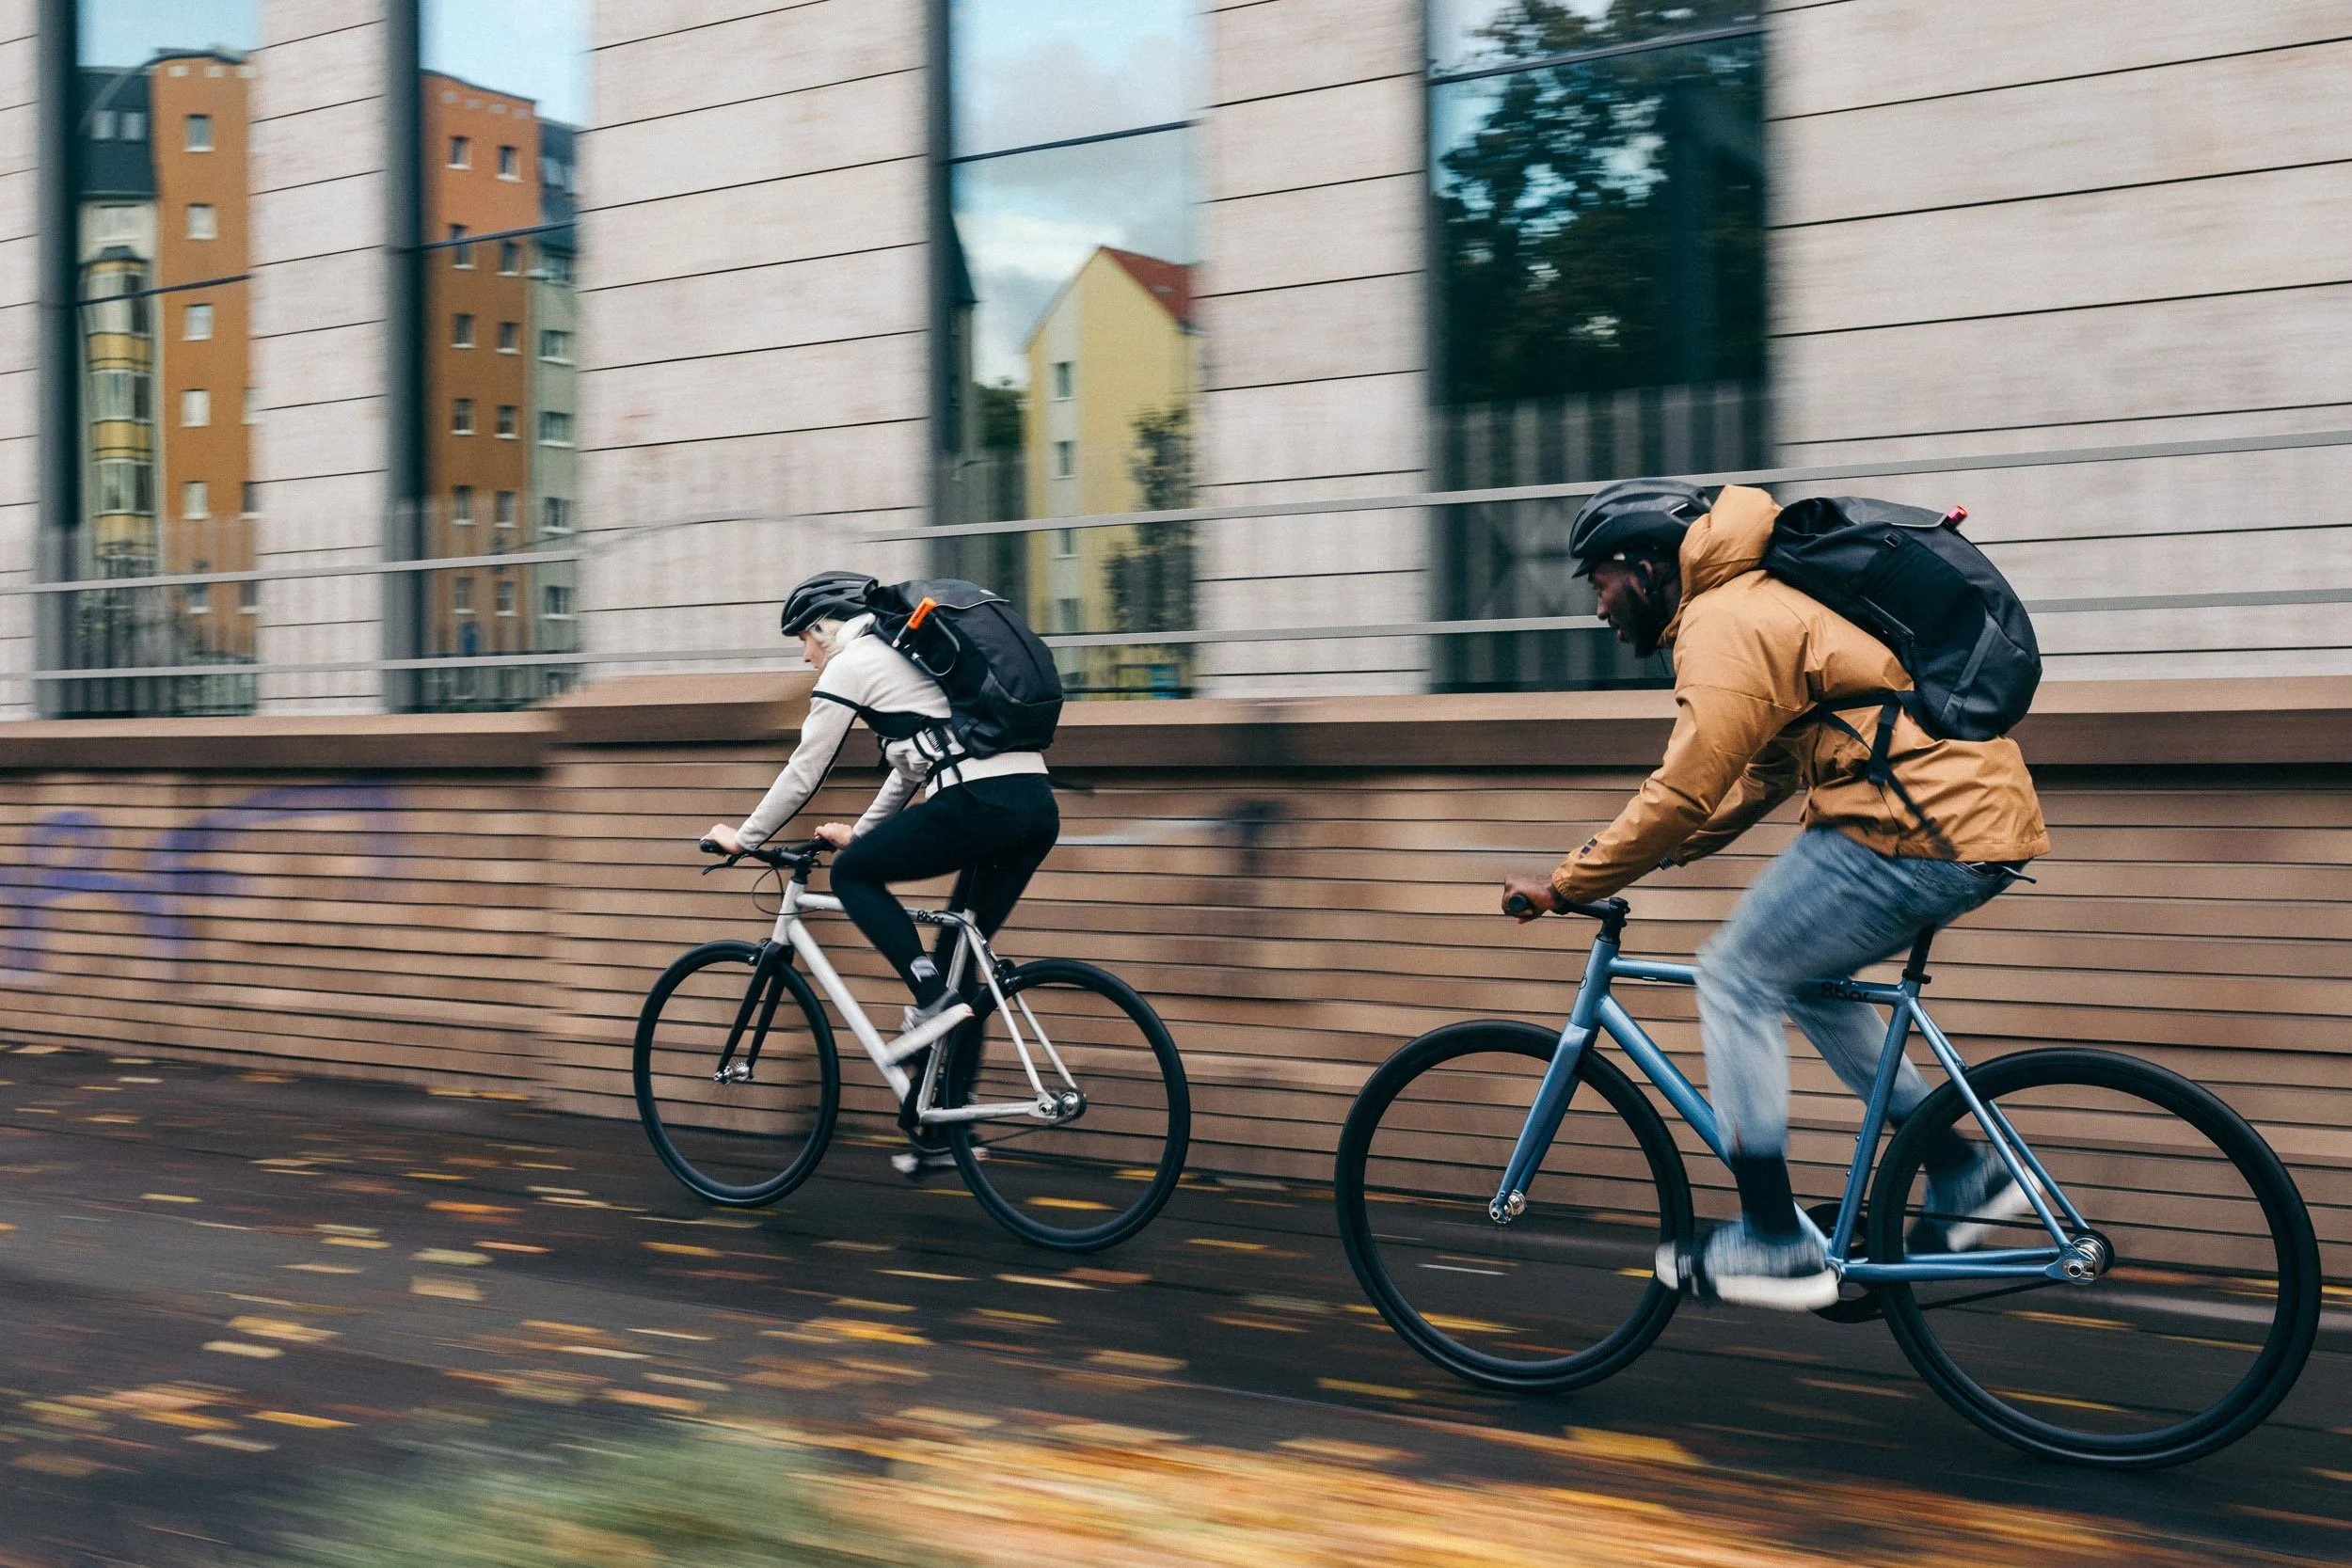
(494, 932)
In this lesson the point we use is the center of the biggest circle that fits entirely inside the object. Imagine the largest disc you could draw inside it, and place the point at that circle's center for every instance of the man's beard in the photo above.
(1647, 623)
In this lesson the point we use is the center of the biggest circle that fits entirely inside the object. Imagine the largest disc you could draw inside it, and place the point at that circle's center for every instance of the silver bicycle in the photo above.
(1055, 1088)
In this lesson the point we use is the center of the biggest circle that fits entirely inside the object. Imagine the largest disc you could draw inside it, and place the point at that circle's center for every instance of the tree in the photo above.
(1151, 579)
(1602, 225)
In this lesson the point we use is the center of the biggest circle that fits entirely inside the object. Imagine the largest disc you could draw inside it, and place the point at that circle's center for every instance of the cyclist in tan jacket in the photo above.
(1755, 662)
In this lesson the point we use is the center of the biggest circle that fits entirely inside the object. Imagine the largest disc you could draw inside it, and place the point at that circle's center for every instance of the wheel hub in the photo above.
(2085, 1257)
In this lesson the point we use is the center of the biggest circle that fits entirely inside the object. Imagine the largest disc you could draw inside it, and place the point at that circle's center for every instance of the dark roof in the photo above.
(1169, 283)
(114, 168)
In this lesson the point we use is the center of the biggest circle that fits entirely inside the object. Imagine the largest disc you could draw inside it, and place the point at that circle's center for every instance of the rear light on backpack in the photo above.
(1956, 516)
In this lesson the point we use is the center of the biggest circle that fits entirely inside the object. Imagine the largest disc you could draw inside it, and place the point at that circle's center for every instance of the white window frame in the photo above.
(196, 407)
(195, 123)
(203, 221)
(192, 316)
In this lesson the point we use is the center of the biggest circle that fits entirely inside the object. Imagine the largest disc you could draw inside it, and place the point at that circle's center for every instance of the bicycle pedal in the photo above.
(914, 1166)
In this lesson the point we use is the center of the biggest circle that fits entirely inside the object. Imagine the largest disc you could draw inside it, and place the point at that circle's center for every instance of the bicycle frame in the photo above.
(792, 933)
(2070, 1258)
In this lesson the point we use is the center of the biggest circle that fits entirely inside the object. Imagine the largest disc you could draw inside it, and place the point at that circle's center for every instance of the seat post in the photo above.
(1916, 970)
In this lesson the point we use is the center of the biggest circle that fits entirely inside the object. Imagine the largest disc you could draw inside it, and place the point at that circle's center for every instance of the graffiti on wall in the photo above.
(71, 855)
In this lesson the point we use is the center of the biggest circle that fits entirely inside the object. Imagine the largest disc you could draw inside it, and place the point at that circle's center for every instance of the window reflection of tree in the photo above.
(1600, 240)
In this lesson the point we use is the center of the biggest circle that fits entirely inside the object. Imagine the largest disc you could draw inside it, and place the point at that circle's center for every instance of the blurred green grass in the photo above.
(681, 1499)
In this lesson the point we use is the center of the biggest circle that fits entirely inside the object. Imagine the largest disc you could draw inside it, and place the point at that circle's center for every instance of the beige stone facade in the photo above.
(1994, 231)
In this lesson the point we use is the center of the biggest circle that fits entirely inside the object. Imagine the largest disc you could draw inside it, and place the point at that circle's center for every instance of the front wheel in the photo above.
(745, 1129)
(1108, 1161)
(1566, 1293)
(2194, 1332)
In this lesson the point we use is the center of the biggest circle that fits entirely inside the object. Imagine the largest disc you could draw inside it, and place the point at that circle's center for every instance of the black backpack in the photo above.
(1003, 691)
(1904, 574)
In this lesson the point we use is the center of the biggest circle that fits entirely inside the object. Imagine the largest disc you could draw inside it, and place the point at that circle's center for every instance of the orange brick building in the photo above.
(482, 177)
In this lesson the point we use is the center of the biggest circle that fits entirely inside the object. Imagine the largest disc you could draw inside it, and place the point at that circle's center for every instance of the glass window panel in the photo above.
(1025, 71)
(1483, 35)
(503, 91)
(1071, 350)
(154, 216)
(1600, 266)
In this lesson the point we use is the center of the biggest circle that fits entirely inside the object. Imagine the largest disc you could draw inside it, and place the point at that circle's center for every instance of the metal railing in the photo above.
(595, 545)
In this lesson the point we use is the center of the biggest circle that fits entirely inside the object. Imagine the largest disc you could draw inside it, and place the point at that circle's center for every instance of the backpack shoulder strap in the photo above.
(1880, 769)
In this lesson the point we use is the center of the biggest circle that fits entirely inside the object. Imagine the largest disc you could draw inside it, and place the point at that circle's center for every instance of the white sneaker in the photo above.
(922, 1156)
(1966, 1205)
(1739, 1264)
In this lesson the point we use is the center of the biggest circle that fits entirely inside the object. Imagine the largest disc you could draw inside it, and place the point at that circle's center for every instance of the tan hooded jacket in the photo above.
(1753, 657)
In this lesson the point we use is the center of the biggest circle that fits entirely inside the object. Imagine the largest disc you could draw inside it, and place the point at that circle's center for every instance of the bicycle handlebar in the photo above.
(1609, 910)
(801, 857)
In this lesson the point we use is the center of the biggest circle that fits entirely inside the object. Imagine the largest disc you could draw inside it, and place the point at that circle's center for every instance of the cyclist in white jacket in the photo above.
(990, 819)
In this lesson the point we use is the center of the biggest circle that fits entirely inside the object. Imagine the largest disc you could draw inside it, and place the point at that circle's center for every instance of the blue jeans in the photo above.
(1827, 906)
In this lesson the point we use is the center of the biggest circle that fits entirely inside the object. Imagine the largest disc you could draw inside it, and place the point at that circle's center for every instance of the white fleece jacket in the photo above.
(865, 672)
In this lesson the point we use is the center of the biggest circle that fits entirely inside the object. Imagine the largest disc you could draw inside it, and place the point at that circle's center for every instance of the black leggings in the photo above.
(995, 832)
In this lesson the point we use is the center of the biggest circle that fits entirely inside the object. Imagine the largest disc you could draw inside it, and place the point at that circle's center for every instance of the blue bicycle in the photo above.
(1503, 1189)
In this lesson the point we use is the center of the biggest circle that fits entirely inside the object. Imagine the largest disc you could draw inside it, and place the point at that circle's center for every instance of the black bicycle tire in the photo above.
(1586, 1366)
(648, 1112)
(958, 1066)
(2284, 1349)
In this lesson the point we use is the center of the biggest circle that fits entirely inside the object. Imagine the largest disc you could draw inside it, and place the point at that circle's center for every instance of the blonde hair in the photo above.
(828, 633)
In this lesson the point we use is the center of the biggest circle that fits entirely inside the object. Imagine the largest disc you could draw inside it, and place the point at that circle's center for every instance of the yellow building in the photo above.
(1107, 428)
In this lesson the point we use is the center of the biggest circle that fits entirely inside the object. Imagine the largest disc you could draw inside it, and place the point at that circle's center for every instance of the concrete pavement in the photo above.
(228, 1291)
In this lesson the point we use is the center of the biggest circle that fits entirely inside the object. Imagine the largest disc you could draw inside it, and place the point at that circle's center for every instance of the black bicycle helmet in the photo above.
(1631, 512)
(826, 596)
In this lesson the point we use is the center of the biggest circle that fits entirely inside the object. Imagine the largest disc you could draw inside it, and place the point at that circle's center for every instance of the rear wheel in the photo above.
(2194, 1332)
(1565, 1295)
(1093, 1178)
(749, 1131)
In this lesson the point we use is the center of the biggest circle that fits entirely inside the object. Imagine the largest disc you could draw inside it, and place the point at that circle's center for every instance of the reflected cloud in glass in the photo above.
(1027, 71)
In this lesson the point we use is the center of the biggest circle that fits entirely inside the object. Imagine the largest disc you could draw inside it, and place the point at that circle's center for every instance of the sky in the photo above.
(1036, 70)
(1033, 70)
(536, 48)
(128, 32)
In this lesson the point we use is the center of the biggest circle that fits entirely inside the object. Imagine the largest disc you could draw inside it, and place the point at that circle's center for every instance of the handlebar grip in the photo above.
(710, 846)
(1518, 904)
